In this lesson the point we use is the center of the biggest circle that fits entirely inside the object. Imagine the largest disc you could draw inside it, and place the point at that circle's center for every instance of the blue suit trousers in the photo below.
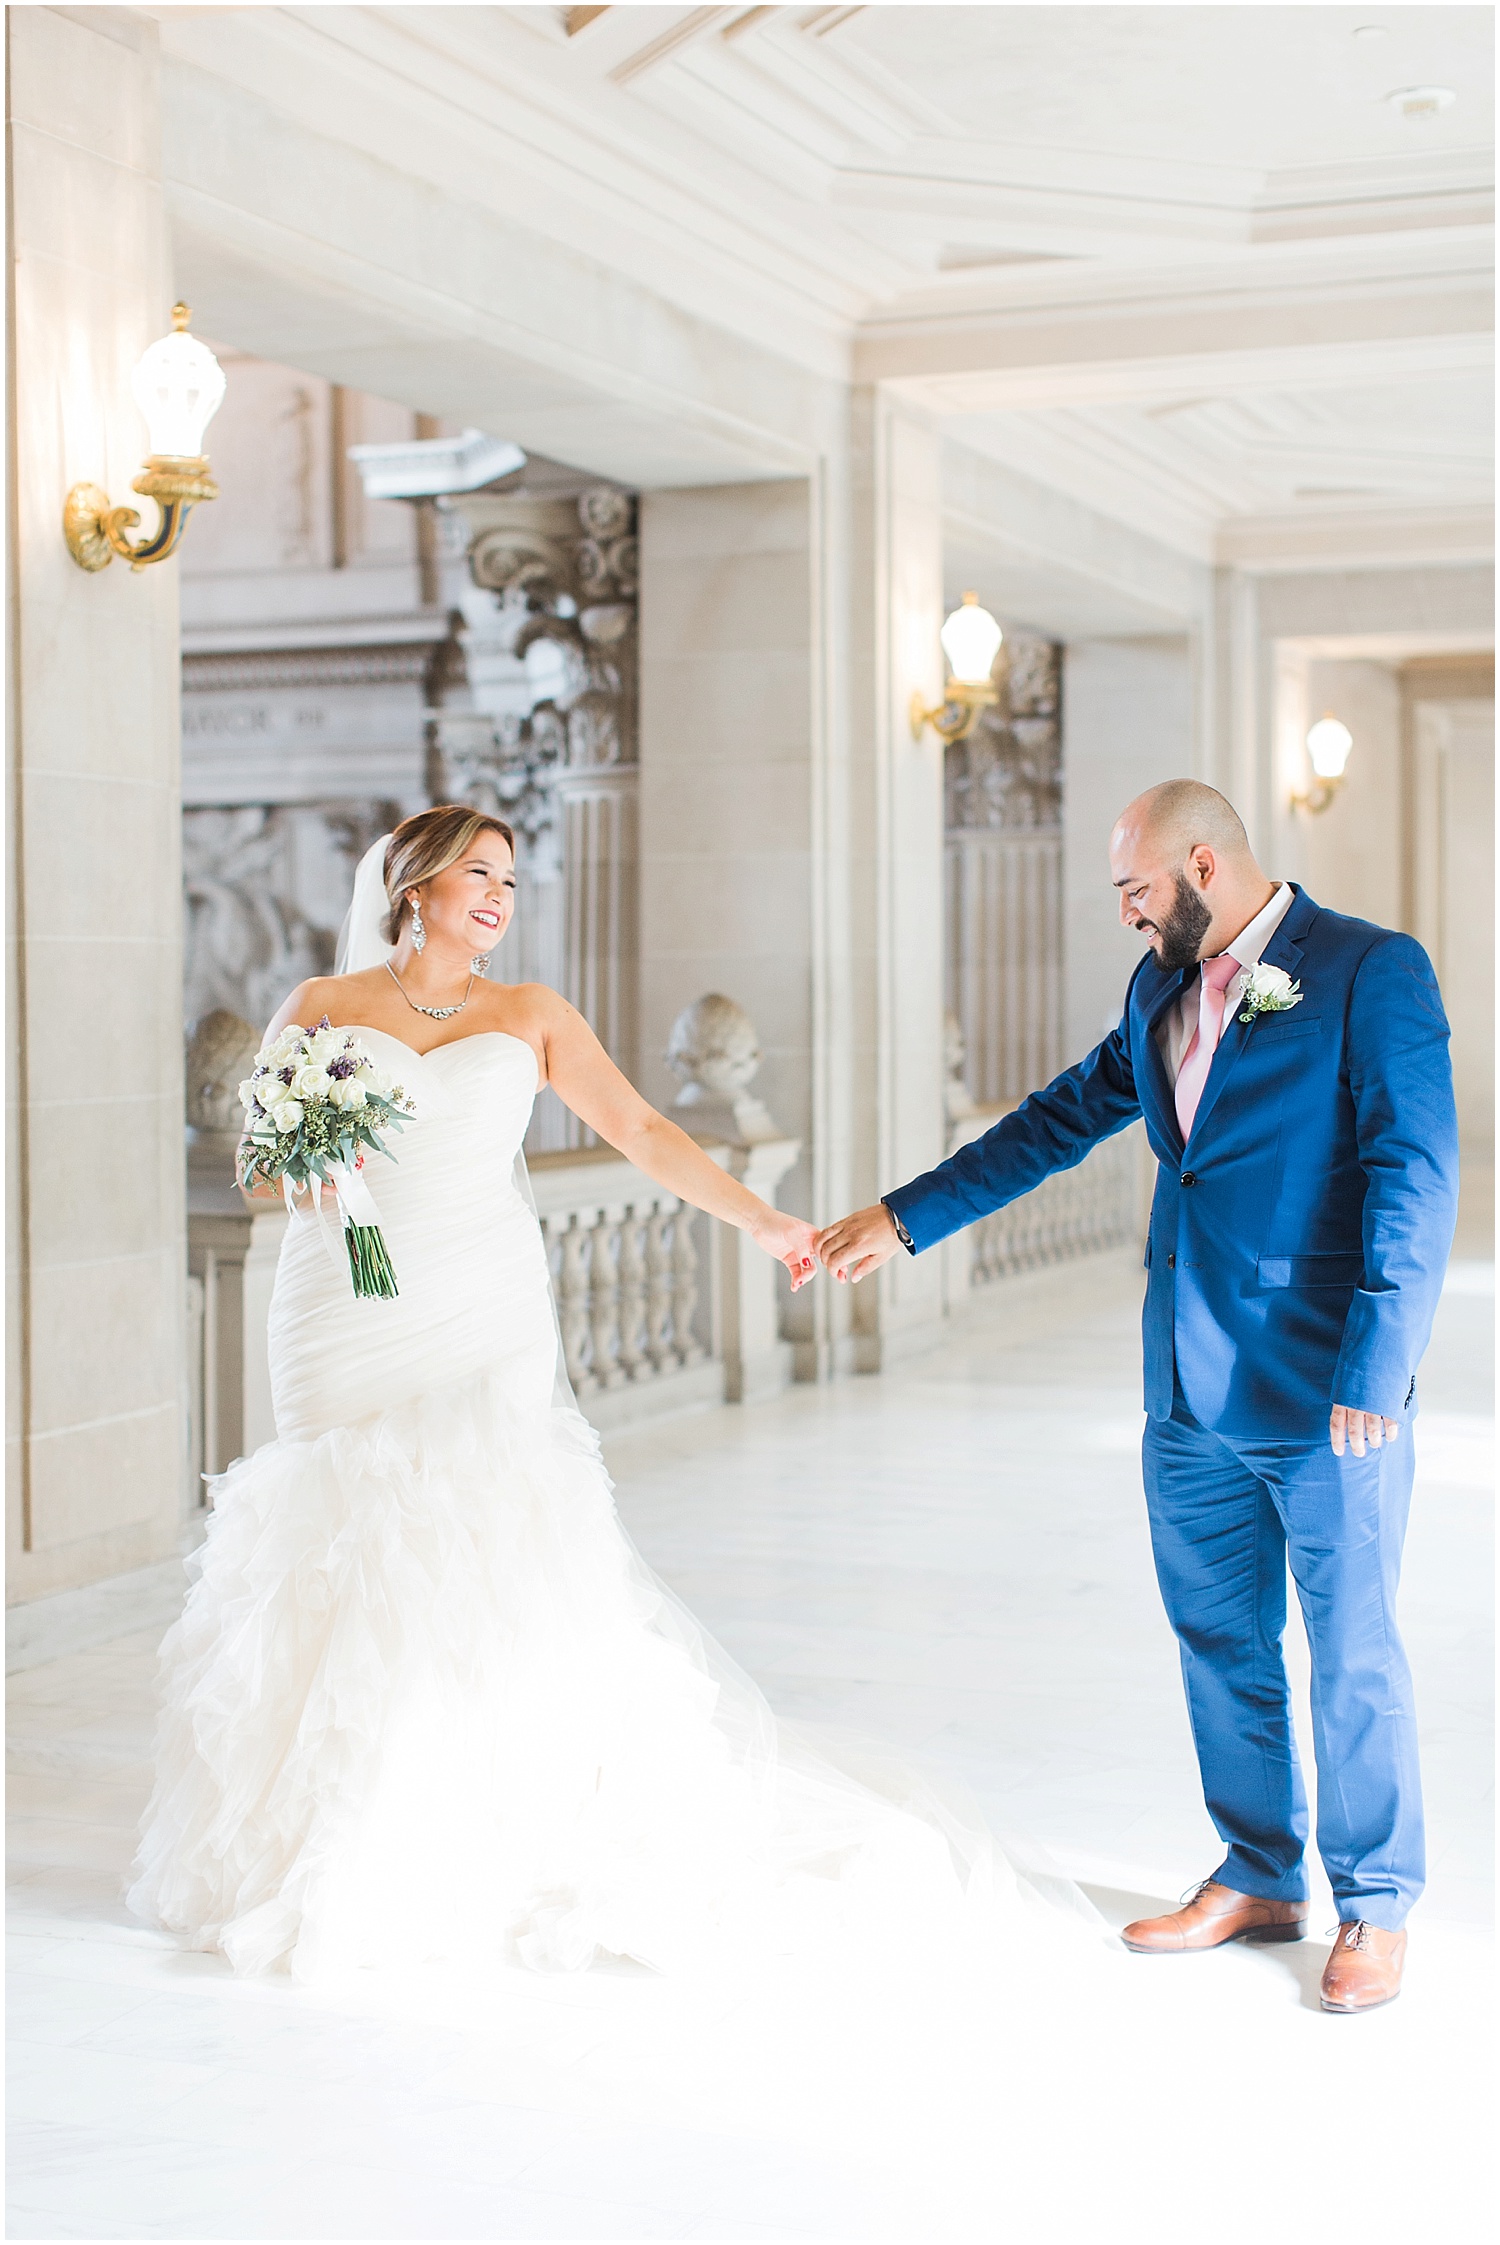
(1227, 1513)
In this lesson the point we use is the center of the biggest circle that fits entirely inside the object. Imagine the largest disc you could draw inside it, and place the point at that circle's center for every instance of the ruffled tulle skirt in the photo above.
(425, 1701)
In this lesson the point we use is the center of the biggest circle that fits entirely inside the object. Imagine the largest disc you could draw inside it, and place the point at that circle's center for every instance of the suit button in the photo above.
(1188, 1178)
(1171, 1262)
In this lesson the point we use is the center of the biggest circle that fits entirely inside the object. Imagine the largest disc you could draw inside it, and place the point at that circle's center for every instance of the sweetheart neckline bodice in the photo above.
(451, 1044)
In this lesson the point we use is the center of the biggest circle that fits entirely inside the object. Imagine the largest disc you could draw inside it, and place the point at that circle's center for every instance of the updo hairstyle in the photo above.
(425, 845)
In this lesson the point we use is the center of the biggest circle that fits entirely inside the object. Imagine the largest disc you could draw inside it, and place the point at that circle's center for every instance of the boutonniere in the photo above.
(1267, 990)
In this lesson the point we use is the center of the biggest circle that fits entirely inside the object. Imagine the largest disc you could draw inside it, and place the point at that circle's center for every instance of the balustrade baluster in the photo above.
(573, 1299)
(690, 1349)
(659, 1289)
(604, 1302)
(634, 1340)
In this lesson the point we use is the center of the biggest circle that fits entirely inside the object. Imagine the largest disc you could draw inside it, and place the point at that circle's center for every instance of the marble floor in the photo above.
(954, 1557)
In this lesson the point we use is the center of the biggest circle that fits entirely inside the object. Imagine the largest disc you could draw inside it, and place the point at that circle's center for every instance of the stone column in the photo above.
(96, 1281)
(728, 645)
(792, 828)
(1128, 721)
(896, 874)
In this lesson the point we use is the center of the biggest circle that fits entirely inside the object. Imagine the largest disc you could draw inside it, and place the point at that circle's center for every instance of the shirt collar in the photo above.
(1251, 942)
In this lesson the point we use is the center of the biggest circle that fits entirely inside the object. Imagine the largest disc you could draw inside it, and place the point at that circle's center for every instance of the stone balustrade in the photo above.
(635, 1279)
(1083, 1211)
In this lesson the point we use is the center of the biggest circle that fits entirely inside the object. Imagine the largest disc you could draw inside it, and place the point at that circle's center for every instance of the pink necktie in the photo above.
(1193, 1074)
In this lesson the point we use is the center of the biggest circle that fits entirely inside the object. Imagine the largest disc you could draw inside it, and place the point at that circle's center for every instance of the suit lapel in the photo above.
(1284, 950)
(1152, 1086)
(1285, 947)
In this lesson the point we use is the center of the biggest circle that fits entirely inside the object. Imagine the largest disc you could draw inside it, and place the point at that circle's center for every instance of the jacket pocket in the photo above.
(1309, 1270)
(1277, 1027)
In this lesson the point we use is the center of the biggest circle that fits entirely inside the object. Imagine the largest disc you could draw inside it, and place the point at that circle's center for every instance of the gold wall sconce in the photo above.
(179, 386)
(971, 641)
(1328, 746)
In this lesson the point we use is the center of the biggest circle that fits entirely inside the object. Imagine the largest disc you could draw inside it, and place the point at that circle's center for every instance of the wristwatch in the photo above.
(901, 1231)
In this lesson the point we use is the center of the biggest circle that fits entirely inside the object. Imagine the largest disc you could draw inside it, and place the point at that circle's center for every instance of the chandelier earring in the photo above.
(418, 932)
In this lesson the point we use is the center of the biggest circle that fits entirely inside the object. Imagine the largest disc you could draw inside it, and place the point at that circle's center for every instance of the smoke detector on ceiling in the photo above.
(1422, 101)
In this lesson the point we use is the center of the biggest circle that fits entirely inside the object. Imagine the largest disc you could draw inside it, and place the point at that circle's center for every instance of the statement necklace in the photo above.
(433, 1013)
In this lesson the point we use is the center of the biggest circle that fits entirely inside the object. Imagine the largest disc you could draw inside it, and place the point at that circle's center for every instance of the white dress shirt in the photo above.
(1177, 1026)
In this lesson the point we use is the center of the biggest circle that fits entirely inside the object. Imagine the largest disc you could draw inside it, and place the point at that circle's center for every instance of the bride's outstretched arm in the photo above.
(584, 1077)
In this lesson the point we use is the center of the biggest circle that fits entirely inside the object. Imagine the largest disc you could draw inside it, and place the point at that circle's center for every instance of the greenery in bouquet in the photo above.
(314, 1103)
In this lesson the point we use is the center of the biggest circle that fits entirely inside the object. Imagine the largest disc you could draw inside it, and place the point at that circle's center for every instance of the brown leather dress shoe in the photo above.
(1364, 1970)
(1213, 1915)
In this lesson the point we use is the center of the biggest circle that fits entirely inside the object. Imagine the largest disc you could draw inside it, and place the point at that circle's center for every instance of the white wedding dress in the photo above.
(426, 1701)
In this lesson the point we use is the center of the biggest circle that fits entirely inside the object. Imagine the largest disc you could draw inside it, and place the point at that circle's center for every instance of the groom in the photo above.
(1292, 1068)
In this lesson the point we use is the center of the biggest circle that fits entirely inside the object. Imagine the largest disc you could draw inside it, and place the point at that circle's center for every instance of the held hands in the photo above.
(850, 1249)
(791, 1242)
(858, 1244)
(1359, 1428)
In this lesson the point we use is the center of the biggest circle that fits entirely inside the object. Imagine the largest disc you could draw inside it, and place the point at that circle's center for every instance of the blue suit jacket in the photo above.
(1298, 1242)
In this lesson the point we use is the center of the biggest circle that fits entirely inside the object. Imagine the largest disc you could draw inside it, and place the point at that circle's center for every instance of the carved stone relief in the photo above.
(544, 733)
(551, 656)
(266, 887)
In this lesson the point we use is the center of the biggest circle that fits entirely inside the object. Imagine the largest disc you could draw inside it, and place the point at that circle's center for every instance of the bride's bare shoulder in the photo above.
(337, 995)
(535, 1003)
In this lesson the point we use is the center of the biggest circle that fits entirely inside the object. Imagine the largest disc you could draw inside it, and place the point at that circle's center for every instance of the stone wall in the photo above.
(97, 1391)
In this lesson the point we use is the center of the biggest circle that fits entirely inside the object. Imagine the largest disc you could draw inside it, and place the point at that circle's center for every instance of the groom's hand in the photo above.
(859, 1244)
(1359, 1428)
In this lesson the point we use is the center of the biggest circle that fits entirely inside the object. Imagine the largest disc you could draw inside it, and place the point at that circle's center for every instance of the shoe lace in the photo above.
(1357, 1936)
(1196, 1893)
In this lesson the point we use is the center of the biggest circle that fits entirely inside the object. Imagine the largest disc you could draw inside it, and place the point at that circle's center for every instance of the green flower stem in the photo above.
(370, 1262)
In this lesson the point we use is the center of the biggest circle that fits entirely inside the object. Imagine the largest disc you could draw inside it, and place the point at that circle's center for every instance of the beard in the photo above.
(1182, 929)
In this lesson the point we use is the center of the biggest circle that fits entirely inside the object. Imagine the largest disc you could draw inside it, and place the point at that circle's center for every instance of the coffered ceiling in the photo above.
(1224, 271)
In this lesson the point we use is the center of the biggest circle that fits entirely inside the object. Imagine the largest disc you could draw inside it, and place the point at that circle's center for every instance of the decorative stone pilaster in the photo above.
(544, 734)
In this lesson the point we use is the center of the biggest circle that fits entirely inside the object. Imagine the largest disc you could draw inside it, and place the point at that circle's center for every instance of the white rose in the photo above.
(287, 1114)
(347, 1092)
(248, 1095)
(1270, 982)
(326, 1045)
(311, 1081)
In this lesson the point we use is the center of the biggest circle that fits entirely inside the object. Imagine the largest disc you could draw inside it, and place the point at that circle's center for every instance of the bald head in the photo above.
(1178, 813)
(1187, 877)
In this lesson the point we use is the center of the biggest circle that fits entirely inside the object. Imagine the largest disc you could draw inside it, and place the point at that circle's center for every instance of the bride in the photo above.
(424, 1700)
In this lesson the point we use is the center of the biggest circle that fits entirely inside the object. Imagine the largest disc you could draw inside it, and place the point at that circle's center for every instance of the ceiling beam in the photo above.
(1165, 345)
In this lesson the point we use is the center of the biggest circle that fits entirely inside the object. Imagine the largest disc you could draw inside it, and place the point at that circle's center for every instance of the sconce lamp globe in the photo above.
(971, 641)
(179, 387)
(1328, 746)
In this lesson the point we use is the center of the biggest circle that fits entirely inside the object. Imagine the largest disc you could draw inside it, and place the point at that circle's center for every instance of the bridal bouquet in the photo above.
(313, 1103)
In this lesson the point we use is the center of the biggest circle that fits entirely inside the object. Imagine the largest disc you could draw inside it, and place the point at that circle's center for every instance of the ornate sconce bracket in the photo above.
(956, 715)
(95, 531)
(1317, 797)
